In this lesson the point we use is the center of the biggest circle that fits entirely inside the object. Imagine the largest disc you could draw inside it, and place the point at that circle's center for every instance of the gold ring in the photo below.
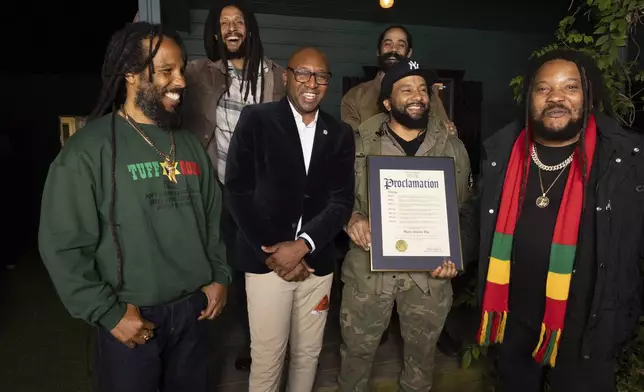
(146, 335)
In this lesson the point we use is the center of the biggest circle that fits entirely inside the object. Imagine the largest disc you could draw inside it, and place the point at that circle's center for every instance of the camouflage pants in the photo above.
(364, 317)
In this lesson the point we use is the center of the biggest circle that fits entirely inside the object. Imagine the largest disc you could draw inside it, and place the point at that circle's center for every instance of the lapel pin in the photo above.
(325, 132)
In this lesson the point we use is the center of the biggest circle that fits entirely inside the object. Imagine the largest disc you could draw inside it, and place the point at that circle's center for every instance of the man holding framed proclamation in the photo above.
(405, 240)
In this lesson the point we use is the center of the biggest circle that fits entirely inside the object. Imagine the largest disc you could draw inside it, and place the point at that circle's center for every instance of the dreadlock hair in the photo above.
(127, 52)
(593, 89)
(253, 49)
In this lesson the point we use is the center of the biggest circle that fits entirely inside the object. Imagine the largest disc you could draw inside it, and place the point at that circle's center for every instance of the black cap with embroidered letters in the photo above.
(403, 69)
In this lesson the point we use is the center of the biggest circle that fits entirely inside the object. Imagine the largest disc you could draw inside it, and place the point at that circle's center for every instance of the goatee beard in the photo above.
(385, 61)
(404, 119)
(149, 101)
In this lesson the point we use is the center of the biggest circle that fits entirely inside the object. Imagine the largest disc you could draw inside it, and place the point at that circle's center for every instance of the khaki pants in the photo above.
(279, 313)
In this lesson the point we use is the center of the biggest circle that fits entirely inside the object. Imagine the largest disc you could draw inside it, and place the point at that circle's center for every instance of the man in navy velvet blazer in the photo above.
(290, 185)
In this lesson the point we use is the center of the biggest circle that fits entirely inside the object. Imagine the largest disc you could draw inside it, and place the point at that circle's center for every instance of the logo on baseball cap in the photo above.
(402, 70)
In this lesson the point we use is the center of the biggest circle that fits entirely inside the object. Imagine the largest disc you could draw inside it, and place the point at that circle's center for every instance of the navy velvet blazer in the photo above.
(267, 187)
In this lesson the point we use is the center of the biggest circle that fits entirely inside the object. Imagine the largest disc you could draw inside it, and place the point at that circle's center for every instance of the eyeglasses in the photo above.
(303, 76)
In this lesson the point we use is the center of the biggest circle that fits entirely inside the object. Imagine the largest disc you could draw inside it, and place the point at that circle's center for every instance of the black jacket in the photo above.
(616, 298)
(268, 188)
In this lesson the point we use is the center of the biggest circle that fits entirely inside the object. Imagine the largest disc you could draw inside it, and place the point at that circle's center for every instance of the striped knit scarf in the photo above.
(562, 251)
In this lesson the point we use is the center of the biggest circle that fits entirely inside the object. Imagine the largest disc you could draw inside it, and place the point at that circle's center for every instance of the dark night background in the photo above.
(51, 62)
(44, 34)
(53, 52)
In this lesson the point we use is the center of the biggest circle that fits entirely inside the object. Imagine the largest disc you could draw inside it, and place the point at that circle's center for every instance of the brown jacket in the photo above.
(361, 103)
(206, 83)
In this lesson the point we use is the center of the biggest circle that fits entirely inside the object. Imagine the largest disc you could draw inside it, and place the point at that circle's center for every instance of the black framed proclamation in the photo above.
(413, 211)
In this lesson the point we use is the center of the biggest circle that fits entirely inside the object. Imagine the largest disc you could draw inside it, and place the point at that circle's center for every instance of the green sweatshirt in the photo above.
(168, 233)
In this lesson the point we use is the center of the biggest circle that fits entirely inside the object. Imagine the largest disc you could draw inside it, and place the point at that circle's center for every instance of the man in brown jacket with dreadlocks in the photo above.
(234, 74)
(561, 233)
(361, 102)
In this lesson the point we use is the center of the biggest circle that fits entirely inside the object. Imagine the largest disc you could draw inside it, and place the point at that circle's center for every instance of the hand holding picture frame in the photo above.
(413, 211)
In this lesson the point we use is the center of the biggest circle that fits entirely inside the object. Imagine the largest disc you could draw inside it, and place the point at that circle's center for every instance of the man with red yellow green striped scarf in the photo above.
(561, 200)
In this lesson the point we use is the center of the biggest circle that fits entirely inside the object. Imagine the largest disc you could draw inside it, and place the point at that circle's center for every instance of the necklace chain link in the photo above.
(169, 166)
(544, 167)
(543, 201)
(167, 157)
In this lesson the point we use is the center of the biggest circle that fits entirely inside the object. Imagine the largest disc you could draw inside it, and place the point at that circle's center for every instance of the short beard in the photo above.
(384, 60)
(569, 132)
(149, 100)
(403, 118)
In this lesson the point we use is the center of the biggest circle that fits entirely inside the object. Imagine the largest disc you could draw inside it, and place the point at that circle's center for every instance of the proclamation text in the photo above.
(414, 213)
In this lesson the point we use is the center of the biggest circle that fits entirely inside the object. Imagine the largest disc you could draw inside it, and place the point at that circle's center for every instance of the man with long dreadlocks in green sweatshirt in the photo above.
(562, 228)
(129, 225)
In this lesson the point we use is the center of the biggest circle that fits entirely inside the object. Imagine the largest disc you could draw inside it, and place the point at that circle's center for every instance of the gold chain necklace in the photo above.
(543, 201)
(542, 166)
(169, 163)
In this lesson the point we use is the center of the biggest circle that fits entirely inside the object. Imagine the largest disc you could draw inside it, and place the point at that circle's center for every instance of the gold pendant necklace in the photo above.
(543, 201)
(169, 163)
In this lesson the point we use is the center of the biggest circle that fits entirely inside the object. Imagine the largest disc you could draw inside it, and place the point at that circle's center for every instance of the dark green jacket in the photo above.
(168, 233)
(356, 269)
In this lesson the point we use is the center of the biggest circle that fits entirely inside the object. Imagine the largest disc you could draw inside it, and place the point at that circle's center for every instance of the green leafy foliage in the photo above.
(630, 367)
(466, 297)
(467, 359)
(470, 353)
(630, 364)
(613, 24)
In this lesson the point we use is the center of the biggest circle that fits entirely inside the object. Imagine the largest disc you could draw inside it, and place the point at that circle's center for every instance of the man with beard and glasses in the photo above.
(361, 102)
(129, 227)
(234, 74)
(423, 299)
(289, 180)
(561, 233)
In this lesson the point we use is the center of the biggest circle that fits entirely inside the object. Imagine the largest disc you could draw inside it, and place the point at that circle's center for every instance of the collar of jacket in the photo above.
(373, 86)
(376, 126)
(612, 137)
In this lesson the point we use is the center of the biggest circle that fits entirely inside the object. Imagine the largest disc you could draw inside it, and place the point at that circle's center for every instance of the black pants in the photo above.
(174, 360)
(238, 285)
(519, 371)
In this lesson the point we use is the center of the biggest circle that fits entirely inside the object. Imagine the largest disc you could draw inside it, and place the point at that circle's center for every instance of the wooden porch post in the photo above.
(149, 11)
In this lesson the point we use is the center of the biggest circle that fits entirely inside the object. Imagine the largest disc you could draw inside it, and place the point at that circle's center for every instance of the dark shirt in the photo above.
(532, 241)
(412, 146)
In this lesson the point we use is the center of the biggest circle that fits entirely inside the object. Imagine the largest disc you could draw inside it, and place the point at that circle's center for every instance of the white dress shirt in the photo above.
(307, 136)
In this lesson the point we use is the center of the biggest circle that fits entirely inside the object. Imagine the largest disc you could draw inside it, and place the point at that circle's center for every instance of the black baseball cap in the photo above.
(403, 69)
